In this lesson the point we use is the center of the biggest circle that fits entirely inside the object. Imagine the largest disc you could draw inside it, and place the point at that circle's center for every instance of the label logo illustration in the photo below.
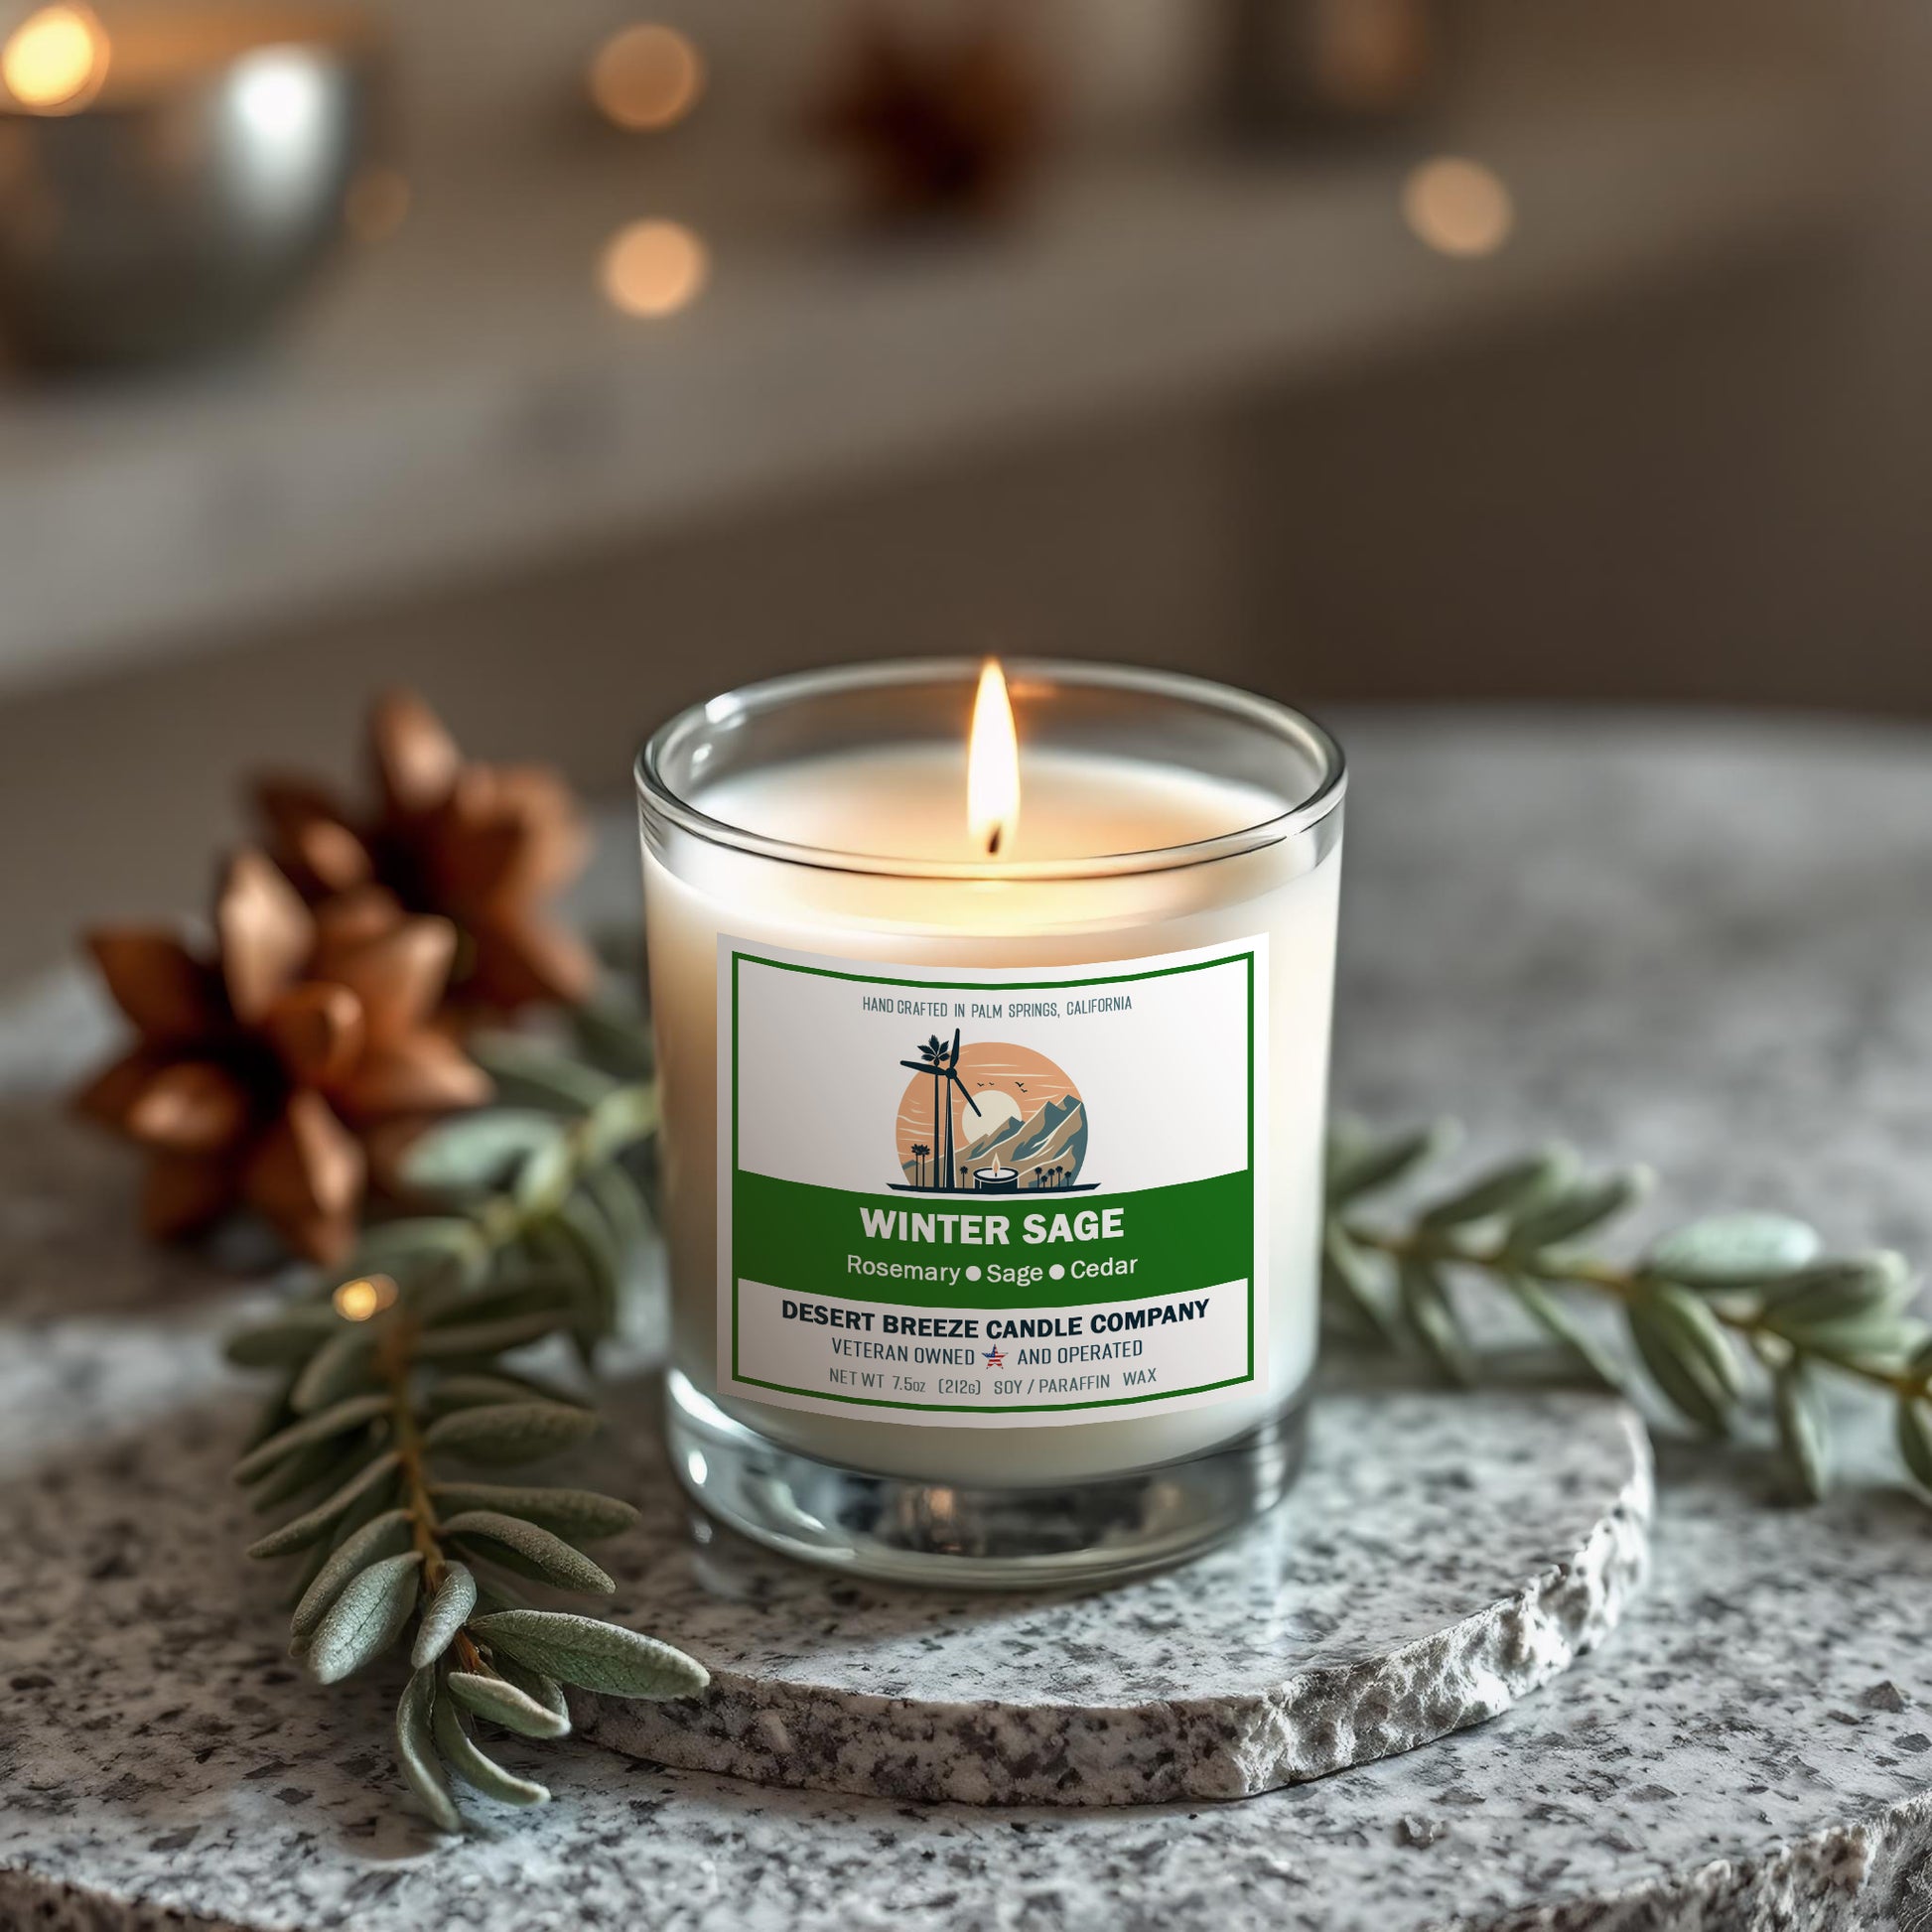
(988, 1118)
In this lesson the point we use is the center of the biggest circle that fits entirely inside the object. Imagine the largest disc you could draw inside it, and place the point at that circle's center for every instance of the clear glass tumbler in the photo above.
(993, 1181)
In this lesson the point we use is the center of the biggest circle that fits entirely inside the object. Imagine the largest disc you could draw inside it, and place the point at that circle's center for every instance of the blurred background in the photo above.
(571, 361)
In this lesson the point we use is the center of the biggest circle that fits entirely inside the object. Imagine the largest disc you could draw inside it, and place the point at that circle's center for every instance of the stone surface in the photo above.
(1437, 1562)
(1704, 947)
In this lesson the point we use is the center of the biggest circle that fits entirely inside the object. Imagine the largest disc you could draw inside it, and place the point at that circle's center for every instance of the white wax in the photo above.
(907, 804)
(910, 803)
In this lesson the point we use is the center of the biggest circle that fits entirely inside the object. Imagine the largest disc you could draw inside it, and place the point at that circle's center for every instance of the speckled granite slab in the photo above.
(1439, 1560)
(1704, 947)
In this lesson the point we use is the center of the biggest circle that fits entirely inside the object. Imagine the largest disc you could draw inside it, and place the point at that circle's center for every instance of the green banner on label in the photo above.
(931, 1249)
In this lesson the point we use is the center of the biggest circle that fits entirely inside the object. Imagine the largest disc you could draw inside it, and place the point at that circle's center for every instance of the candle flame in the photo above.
(993, 766)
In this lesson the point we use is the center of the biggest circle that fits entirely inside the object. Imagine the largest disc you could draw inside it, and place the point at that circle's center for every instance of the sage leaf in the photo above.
(1583, 1206)
(1363, 1170)
(416, 1751)
(520, 1292)
(405, 1248)
(480, 1391)
(320, 1465)
(554, 1559)
(339, 1366)
(1550, 1314)
(544, 1178)
(622, 1119)
(382, 1536)
(617, 1041)
(1878, 1337)
(598, 1261)
(580, 1514)
(489, 1337)
(1732, 1251)
(1349, 1278)
(274, 1416)
(1702, 1337)
(614, 1195)
(1433, 1319)
(314, 1524)
(1915, 1439)
(1801, 1428)
(287, 1342)
(478, 1152)
(369, 1501)
(334, 1421)
(1681, 1374)
(365, 1618)
(461, 1754)
(510, 1431)
(505, 1704)
(594, 1655)
(524, 1072)
(1513, 1188)
(541, 1690)
(449, 1609)
(1835, 1292)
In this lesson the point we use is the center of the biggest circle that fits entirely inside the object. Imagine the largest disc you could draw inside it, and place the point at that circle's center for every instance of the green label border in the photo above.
(738, 957)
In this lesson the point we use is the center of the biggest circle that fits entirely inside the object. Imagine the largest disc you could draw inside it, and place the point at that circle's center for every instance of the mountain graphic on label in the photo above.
(989, 1117)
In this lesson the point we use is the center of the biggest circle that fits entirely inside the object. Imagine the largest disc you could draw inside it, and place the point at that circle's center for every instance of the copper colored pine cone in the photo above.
(936, 126)
(278, 1073)
(483, 846)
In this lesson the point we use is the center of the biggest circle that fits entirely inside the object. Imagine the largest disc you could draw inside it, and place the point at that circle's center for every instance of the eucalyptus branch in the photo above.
(1704, 1307)
(400, 1368)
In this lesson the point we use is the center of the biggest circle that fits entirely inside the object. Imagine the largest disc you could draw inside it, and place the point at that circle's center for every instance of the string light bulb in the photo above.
(646, 77)
(653, 269)
(56, 59)
(1458, 207)
(364, 1298)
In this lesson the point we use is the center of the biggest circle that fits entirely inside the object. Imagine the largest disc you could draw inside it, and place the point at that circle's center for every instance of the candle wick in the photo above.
(993, 841)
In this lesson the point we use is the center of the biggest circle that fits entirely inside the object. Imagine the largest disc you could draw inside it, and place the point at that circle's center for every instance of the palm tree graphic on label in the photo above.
(989, 1117)
(942, 1062)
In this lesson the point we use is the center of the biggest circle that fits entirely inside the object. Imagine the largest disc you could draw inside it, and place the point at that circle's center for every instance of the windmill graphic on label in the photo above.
(989, 1117)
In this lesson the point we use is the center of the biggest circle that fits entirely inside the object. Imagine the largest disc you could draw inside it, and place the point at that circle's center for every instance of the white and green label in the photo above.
(990, 1198)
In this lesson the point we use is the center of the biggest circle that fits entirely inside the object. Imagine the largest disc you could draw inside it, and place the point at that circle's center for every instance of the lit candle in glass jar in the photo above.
(994, 1068)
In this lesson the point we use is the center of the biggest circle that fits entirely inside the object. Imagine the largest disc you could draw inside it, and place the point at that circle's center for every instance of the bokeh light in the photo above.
(366, 1296)
(1458, 207)
(646, 77)
(654, 268)
(56, 59)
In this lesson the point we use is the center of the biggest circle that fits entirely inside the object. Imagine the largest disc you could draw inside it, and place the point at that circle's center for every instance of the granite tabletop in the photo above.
(1695, 942)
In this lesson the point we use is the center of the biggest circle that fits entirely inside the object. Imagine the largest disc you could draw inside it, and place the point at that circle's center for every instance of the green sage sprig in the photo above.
(400, 1380)
(1711, 1309)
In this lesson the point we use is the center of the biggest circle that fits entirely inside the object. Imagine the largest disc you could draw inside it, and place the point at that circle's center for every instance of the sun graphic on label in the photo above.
(988, 1117)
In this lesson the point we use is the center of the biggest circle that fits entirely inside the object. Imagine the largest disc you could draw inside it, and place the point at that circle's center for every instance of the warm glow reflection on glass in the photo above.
(365, 1297)
(646, 77)
(653, 268)
(1458, 208)
(376, 205)
(56, 59)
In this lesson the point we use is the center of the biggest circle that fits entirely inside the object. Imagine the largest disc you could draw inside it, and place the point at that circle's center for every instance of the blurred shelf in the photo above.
(463, 398)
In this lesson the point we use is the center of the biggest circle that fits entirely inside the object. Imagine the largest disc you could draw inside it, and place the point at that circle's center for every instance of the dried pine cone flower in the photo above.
(266, 1074)
(483, 846)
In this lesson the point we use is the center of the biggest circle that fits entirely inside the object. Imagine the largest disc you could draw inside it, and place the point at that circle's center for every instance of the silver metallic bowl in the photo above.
(179, 208)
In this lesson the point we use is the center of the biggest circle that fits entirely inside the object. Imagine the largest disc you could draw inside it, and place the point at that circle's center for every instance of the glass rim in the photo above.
(1283, 723)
